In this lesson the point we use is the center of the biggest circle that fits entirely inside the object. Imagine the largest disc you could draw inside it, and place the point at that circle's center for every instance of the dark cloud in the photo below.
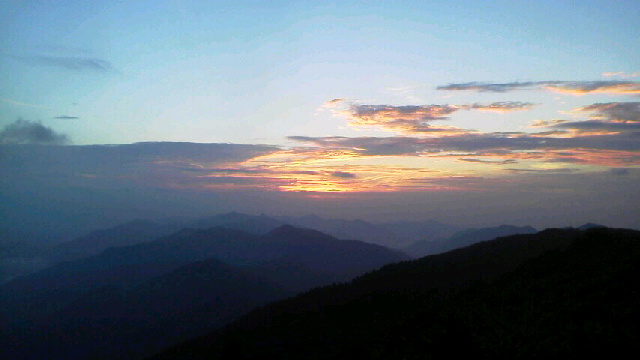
(27, 132)
(614, 111)
(497, 162)
(561, 170)
(343, 175)
(66, 117)
(489, 87)
(597, 125)
(503, 106)
(68, 62)
(576, 87)
(619, 171)
(139, 165)
(473, 143)
(605, 117)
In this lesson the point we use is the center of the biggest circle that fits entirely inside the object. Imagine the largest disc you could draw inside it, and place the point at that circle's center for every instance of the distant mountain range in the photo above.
(414, 238)
(132, 290)
(464, 238)
(559, 293)
(132, 300)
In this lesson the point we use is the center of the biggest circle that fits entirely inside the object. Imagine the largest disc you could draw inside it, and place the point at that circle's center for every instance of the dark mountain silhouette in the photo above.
(140, 291)
(590, 225)
(557, 293)
(137, 320)
(465, 238)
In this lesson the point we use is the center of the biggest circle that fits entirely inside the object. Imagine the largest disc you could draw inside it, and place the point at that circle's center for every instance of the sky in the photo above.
(466, 112)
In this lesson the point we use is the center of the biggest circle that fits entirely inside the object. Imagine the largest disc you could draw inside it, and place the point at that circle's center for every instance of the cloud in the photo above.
(559, 170)
(571, 87)
(343, 175)
(497, 162)
(489, 87)
(67, 62)
(27, 132)
(18, 103)
(614, 111)
(66, 117)
(619, 171)
(333, 103)
(612, 117)
(417, 119)
(623, 148)
(504, 106)
(133, 166)
(597, 125)
(621, 74)
(585, 87)
(546, 123)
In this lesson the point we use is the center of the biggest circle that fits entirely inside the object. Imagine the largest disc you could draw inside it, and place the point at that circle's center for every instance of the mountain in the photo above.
(465, 238)
(134, 321)
(396, 235)
(253, 224)
(95, 242)
(136, 299)
(18, 256)
(393, 235)
(138, 231)
(590, 225)
(14, 264)
(347, 229)
(413, 231)
(557, 293)
(343, 259)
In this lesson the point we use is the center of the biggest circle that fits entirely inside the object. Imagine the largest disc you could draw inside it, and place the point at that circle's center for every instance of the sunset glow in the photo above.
(298, 104)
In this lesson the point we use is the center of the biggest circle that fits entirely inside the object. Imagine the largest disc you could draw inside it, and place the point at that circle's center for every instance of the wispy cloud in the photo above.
(67, 62)
(27, 132)
(621, 74)
(417, 119)
(19, 103)
(570, 87)
(502, 107)
(66, 117)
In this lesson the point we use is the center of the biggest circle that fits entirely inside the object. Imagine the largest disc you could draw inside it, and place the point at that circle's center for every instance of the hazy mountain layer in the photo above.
(464, 238)
(557, 293)
(134, 300)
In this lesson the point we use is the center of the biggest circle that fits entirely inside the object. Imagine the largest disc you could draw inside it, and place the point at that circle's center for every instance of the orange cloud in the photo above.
(417, 119)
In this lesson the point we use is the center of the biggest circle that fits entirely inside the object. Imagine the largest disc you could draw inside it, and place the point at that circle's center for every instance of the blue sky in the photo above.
(336, 91)
(212, 71)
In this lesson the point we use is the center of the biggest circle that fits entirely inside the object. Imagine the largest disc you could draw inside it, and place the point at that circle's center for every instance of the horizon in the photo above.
(460, 112)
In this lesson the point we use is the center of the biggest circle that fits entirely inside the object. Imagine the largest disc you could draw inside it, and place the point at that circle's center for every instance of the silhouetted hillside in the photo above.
(128, 322)
(136, 299)
(465, 238)
(557, 293)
